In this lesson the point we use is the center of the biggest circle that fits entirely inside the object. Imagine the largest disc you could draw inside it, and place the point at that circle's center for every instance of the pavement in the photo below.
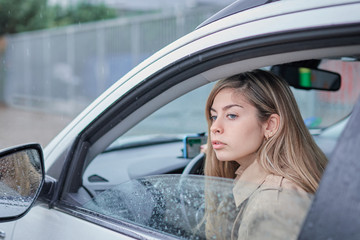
(18, 126)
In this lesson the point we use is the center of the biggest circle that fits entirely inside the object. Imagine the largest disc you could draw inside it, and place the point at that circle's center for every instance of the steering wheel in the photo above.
(195, 166)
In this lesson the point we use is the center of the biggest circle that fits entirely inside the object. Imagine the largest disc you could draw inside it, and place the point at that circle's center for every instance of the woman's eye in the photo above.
(213, 118)
(232, 116)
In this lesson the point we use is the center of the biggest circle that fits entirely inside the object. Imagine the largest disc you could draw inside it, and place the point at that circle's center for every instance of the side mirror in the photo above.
(308, 78)
(21, 178)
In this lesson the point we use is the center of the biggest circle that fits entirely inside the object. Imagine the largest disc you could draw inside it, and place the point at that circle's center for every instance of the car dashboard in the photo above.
(114, 167)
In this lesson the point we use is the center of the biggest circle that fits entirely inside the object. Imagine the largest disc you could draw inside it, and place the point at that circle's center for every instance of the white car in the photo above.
(123, 169)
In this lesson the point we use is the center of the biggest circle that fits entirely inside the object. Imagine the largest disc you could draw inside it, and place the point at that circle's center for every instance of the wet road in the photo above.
(19, 126)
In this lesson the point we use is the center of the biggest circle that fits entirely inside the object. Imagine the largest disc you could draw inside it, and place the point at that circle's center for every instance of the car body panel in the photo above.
(7, 229)
(60, 225)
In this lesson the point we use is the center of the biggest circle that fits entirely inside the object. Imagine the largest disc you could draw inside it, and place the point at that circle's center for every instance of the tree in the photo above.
(27, 15)
(19, 15)
(80, 13)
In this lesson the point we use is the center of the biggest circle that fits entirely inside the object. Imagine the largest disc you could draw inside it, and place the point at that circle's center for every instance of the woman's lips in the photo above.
(217, 144)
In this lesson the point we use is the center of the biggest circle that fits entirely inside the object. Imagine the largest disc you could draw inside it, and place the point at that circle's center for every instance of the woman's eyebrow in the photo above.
(232, 105)
(227, 107)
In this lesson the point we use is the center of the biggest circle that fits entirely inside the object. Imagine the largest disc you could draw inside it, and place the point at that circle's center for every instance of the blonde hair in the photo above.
(291, 152)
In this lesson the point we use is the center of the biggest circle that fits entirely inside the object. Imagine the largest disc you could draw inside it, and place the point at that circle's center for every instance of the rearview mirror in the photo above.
(308, 78)
(21, 178)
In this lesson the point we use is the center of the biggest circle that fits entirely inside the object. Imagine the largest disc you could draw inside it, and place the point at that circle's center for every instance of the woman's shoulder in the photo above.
(281, 183)
(283, 195)
(276, 209)
(279, 190)
(280, 197)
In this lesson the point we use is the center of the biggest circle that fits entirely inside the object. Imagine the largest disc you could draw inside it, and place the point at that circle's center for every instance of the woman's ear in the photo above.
(272, 125)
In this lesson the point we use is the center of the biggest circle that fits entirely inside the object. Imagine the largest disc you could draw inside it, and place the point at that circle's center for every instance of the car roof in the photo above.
(243, 5)
(236, 7)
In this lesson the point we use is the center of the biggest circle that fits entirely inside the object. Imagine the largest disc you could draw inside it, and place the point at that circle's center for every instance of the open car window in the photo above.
(156, 145)
(182, 116)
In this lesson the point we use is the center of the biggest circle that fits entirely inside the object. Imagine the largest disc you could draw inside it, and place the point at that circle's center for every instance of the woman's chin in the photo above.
(222, 158)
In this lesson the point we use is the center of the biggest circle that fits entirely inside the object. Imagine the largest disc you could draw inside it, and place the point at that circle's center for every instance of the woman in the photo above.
(257, 137)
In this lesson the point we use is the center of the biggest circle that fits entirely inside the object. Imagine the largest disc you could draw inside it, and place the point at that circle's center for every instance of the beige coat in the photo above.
(270, 206)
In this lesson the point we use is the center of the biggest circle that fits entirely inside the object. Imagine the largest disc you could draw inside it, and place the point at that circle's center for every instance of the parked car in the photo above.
(122, 170)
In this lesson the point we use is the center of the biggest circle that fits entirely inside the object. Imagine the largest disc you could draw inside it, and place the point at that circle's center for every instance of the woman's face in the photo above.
(235, 133)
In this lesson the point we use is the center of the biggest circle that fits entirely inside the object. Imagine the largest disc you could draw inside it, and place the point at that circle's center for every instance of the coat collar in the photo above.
(247, 181)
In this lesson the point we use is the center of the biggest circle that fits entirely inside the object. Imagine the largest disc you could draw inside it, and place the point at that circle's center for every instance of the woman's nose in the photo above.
(216, 127)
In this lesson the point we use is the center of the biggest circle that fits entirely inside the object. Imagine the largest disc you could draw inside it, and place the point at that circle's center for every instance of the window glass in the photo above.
(198, 207)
